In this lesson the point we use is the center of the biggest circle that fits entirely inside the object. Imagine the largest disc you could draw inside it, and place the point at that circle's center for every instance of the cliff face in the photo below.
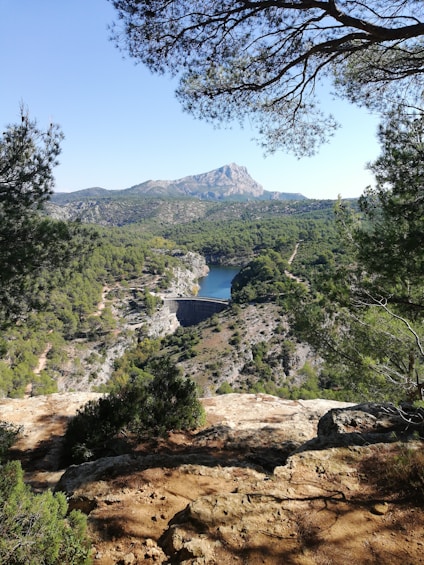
(256, 485)
(227, 181)
(185, 278)
(89, 361)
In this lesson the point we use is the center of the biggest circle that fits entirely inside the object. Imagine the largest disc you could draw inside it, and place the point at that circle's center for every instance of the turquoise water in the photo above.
(218, 282)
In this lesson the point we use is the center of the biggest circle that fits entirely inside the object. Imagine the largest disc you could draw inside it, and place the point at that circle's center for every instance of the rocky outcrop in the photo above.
(362, 419)
(227, 181)
(306, 512)
(186, 277)
(365, 424)
(251, 487)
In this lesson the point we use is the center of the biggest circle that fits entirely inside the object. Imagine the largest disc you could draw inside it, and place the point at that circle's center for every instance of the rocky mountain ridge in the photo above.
(225, 182)
(230, 182)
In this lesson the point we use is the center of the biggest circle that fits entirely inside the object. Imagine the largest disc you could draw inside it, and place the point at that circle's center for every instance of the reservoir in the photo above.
(217, 284)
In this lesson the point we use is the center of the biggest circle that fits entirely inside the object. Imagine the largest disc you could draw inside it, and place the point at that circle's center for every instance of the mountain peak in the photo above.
(225, 182)
(229, 182)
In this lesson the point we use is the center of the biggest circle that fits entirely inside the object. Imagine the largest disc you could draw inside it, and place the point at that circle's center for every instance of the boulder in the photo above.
(367, 418)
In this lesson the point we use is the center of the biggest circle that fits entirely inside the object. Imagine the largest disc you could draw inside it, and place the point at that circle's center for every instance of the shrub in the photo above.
(405, 472)
(145, 405)
(34, 529)
(225, 388)
(235, 339)
(89, 432)
(171, 402)
(8, 435)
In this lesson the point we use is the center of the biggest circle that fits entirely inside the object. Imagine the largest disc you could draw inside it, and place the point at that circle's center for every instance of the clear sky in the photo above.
(123, 125)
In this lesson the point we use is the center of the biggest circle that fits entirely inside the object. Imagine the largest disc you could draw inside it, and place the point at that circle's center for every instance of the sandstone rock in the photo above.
(380, 509)
(211, 523)
(129, 559)
(234, 493)
(361, 418)
(359, 425)
(182, 547)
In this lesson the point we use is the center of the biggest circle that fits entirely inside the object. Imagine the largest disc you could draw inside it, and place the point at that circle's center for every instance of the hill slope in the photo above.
(155, 213)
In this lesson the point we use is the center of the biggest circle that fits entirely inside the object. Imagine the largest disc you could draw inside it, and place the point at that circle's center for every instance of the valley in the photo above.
(294, 441)
(279, 418)
(290, 257)
(114, 303)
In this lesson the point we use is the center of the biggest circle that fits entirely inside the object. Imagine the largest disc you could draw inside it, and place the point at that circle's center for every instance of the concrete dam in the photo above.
(192, 311)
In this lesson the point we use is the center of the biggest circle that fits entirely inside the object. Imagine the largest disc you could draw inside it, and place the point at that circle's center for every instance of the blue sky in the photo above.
(123, 125)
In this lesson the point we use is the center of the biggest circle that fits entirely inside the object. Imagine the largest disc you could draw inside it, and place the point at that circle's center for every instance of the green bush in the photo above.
(235, 339)
(171, 403)
(34, 528)
(145, 405)
(90, 431)
(8, 435)
(225, 388)
(405, 472)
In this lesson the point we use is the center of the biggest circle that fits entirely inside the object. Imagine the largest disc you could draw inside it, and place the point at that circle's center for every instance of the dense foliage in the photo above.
(266, 60)
(367, 318)
(69, 310)
(36, 528)
(234, 233)
(154, 400)
(8, 435)
(29, 243)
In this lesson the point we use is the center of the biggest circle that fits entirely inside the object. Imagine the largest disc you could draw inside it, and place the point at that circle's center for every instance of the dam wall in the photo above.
(192, 311)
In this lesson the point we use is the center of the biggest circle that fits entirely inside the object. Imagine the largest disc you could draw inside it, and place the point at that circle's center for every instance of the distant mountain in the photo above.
(95, 192)
(228, 183)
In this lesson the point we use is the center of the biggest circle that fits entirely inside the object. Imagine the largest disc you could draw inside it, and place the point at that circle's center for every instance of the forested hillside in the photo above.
(93, 314)
(111, 303)
(81, 318)
(296, 262)
(156, 213)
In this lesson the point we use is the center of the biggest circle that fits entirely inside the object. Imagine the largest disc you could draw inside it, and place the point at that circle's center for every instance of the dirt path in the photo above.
(42, 360)
(102, 304)
(293, 255)
(290, 261)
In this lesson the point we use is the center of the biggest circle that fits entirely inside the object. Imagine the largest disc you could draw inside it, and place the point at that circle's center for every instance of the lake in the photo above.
(218, 282)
